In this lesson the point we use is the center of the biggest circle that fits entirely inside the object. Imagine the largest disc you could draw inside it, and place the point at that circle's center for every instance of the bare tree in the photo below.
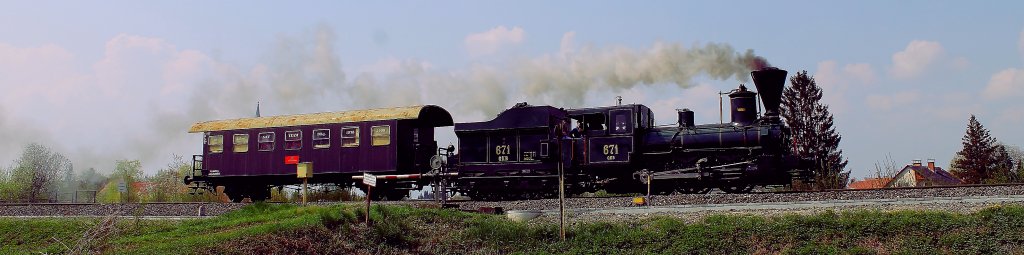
(886, 168)
(39, 171)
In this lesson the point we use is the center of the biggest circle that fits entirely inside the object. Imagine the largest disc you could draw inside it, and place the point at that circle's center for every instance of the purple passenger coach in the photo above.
(249, 156)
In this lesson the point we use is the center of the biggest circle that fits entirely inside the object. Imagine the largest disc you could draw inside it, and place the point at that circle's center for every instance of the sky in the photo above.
(113, 80)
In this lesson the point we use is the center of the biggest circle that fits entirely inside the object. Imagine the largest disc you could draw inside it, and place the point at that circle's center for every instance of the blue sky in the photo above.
(123, 79)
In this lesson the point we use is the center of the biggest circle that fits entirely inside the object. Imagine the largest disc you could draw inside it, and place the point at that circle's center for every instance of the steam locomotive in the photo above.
(517, 155)
(620, 149)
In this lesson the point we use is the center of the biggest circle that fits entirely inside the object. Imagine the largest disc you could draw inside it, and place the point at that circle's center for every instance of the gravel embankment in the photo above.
(145, 210)
(214, 209)
(697, 199)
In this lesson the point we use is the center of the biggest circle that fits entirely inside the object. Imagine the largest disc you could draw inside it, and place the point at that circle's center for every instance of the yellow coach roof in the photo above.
(431, 115)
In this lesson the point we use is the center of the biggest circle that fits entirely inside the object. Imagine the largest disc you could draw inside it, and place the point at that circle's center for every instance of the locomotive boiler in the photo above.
(750, 150)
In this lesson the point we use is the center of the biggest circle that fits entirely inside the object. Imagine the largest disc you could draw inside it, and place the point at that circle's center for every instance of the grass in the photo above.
(263, 228)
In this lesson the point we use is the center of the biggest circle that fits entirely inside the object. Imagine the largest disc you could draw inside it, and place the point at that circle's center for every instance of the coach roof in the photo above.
(428, 115)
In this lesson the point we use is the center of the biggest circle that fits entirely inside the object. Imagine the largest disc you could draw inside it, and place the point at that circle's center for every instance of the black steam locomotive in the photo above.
(517, 155)
(619, 149)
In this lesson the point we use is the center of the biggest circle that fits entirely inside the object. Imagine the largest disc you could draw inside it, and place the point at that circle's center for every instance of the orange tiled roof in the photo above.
(870, 183)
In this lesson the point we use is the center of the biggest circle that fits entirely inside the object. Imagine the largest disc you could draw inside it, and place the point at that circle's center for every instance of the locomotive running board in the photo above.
(688, 172)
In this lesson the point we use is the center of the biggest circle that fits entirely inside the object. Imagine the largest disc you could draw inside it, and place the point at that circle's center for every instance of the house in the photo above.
(870, 183)
(917, 175)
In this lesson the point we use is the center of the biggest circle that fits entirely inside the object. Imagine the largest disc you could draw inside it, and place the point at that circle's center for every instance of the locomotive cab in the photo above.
(607, 135)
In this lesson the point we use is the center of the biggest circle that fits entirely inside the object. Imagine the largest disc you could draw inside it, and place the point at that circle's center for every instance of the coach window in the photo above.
(321, 138)
(293, 140)
(266, 141)
(350, 137)
(381, 135)
(241, 143)
(216, 143)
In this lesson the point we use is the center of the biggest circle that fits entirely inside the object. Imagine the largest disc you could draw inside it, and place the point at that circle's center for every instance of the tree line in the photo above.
(983, 159)
(41, 174)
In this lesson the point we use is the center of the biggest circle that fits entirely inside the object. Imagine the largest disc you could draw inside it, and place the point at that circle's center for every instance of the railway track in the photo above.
(202, 209)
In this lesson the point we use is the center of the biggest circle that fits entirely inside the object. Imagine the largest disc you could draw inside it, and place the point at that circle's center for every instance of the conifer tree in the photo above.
(1003, 166)
(974, 163)
(813, 131)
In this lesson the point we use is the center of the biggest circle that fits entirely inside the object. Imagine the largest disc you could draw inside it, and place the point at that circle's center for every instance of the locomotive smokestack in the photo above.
(770, 82)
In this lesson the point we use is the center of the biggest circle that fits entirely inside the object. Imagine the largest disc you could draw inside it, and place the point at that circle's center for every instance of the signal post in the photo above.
(370, 181)
(304, 171)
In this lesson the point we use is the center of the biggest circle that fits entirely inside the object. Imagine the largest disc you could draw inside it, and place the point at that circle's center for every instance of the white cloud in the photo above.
(31, 73)
(835, 82)
(490, 41)
(915, 59)
(1006, 83)
(861, 72)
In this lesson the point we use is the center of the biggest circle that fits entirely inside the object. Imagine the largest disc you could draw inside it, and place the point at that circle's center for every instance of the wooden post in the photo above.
(648, 202)
(305, 190)
(368, 189)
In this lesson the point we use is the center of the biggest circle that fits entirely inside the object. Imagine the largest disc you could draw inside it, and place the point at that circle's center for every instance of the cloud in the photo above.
(915, 59)
(835, 81)
(490, 41)
(1005, 84)
(28, 74)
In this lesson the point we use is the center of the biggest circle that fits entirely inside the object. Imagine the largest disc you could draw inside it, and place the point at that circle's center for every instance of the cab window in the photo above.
(622, 121)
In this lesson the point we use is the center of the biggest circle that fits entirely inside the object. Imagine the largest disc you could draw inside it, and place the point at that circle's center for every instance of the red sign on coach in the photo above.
(291, 160)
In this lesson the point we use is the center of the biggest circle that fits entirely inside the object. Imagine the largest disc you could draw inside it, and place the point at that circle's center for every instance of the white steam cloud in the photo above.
(304, 74)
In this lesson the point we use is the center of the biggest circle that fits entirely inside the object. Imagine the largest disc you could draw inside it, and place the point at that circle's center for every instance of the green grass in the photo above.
(263, 228)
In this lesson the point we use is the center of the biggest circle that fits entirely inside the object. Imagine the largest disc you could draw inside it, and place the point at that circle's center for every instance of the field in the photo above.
(338, 229)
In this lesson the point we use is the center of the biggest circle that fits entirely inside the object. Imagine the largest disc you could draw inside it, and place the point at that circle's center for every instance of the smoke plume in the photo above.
(304, 74)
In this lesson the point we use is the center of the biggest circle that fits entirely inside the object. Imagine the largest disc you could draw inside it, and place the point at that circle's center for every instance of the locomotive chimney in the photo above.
(770, 82)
